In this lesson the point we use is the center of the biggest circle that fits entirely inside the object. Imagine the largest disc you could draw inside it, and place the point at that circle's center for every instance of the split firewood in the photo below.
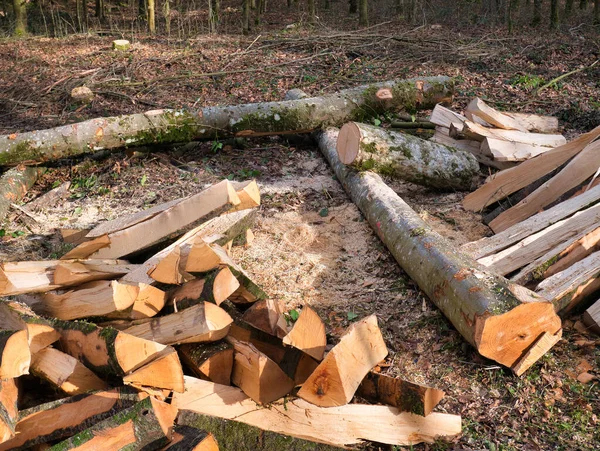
(501, 150)
(202, 257)
(248, 193)
(59, 419)
(473, 147)
(366, 147)
(477, 132)
(393, 391)
(308, 334)
(591, 317)
(568, 288)
(15, 353)
(134, 233)
(257, 119)
(478, 302)
(39, 330)
(14, 184)
(495, 118)
(540, 347)
(268, 315)
(38, 277)
(74, 236)
(338, 376)
(535, 122)
(579, 169)
(215, 287)
(168, 269)
(210, 361)
(504, 183)
(488, 246)
(338, 426)
(444, 117)
(163, 372)
(186, 438)
(65, 372)
(576, 251)
(200, 323)
(106, 350)
(257, 375)
(146, 425)
(9, 412)
(218, 230)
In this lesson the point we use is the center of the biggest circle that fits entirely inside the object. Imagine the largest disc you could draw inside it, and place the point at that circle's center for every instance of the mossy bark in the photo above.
(499, 319)
(257, 119)
(14, 184)
(20, 10)
(232, 435)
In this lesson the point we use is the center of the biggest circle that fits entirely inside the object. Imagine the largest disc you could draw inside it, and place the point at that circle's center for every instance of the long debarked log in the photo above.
(501, 320)
(406, 157)
(255, 119)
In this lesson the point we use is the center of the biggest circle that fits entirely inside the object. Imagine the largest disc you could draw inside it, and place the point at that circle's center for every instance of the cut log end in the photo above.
(348, 143)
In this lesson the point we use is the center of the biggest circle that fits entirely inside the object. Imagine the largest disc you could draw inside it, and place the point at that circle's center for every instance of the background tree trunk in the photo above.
(20, 9)
(100, 9)
(312, 14)
(245, 16)
(151, 17)
(583, 4)
(363, 13)
(537, 13)
(142, 9)
(597, 11)
(167, 13)
(568, 8)
(554, 14)
(513, 14)
(353, 7)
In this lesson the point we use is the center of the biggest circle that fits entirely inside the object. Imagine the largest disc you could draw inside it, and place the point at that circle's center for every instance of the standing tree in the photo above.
(353, 6)
(597, 12)
(554, 14)
(142, 9)
(568, 8)
(513, 12)
(363, 13)
(100, 9)
(537, 12)
(151, 17)
(245, 16)
(167, 14)
(20, 9)
(312, 13)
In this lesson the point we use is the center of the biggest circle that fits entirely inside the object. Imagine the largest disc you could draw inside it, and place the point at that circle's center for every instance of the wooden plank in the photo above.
(487, 246)
(501, 150)
(507, 182)
(493, 117)
(582, 167)
(338, 376)
(338, 426)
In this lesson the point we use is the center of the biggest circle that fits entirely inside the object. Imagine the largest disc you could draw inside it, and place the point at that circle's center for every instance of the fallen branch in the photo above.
(14, 184)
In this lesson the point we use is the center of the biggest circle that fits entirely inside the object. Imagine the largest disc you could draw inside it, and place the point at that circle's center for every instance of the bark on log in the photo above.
(14, 184)
(406, 157)
(501, 320)
(257, 119)
(8, 409)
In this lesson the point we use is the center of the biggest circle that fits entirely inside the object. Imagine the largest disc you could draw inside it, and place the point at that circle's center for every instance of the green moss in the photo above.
(412, 400)
(180, 126)
(404, 150)
(75, 441)
(84, 327)
(419, 231)
(276, 119)
(368, 147)
(23, 151)
(366, 165)
(538, 273)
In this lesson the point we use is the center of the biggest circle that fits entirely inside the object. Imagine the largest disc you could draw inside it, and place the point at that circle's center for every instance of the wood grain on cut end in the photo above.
(163, 372)
(348, 143)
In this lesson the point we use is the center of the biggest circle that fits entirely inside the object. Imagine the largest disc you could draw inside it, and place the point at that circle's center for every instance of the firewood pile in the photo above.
(166, 353)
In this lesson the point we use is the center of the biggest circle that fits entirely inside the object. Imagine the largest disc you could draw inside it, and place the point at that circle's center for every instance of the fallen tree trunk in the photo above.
(406, 157)
(501, 320)
(255, 119)
(14, 184)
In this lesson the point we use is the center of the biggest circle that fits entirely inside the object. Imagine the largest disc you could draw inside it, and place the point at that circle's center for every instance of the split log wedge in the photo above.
(256, 119)
(200, 323)
(591, 317)
(15, 353)
(9, 412)
(163, 372)
(215, 287)
(39, 330)
(267, 315)
(145, 426)
(65, 372)
(338, 426)
(338, 376)
(478, 133)
(14, 184)
(479, 108)
(56, 420)
(404, 395)
(308, 334)
(535, 122)
(106, 350)
(209, 361)
(186, 438)
(445, 117)
(501, 320)
(407, 157)
(136, 232)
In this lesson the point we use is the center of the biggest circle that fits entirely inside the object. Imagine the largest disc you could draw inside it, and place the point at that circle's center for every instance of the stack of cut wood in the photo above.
(496, 139)
(114, 338)
(548, 237)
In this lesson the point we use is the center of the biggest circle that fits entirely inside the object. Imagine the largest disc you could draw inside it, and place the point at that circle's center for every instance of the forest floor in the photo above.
(312, 245)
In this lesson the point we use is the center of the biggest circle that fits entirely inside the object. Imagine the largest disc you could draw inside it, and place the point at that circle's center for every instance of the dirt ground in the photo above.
(312, 246)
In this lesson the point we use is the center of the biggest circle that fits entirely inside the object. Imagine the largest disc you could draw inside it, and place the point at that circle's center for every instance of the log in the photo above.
(338, 376)
(495, 118)
(308, 334)
(404, 395)
(106, 350)
(477, 132)
(145, 426)
(582, 167)
(337, 426)
(501, 320)
(267, 315)
(14, 184)
(39, 330)
(487, 246)
(186, 438)
(505, 183)
(134, 233)
(64, 372)
(501, 150)
(163, 372)
(209, 361)
(15, 353)
(200, 323)
(257, 119)
(219, 230)
(365, 147)
(239, 436)
(38, 277)
(9, 412)
(56, 420)
(257, 375)
(215, 287)
(591, 317)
